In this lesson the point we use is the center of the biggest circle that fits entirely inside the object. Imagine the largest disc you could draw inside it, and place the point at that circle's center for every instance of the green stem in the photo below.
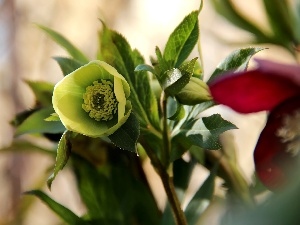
(168, 186)
(165, 155)
(161, 165)
(233, 177)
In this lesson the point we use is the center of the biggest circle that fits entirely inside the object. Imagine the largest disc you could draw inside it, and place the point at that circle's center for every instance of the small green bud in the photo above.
(195, 92)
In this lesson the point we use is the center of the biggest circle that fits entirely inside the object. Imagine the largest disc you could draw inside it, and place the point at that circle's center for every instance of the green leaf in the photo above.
(63, 42)
(176, 79)
(230, 12)
(238, 60)
(53, 117)
(281, 207)
(132, 191)
(182, 171)
(97, 192)
(62, 156)
(35, 123)
(179, 114)
(116, 51)
(67, 215)
(21, 116)
(201, 199)
(67, 65)
(205, 131)
(162, 65)
(42, 91)
(296, 19)
(182, 40)
(19, 145)
(144, 67)
(280, 18)
(127, 135)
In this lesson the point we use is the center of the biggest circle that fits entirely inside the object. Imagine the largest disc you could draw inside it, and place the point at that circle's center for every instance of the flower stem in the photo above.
(234, 178)
(162, 164)
(165, 155)
(168, 186)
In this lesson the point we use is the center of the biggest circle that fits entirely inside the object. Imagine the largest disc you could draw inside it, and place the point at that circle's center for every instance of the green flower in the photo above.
(92, 100)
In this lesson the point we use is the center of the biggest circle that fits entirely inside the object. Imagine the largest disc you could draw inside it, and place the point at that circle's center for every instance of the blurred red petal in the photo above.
(254, 90)
(288, 71)
(274, 165)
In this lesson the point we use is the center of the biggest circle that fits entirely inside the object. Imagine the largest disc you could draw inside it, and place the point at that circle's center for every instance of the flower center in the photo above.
(290, 132)
(100, 101)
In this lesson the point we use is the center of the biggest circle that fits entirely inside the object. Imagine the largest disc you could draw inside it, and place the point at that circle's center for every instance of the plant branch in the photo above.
(232, 176)
(168, 186)
(165, 156)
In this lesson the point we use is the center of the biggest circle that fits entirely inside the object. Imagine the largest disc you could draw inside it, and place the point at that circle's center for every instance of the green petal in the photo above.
(68, 98)
(115, 73)
(122, 120)
(120, 96)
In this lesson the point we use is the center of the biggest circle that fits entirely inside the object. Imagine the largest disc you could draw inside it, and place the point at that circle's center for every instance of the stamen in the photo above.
(290, 133)
(100, 101)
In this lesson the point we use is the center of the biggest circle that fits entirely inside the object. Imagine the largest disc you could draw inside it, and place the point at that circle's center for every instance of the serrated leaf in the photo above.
(67, 65)
(62, 156)
(182, 40)
(35, 123)
(63, 42)
(116, 51)
(200, 201)
(64, 213)
(127, 135)
(238, 60)
(42, 91)
(176, 79)
(204, 132)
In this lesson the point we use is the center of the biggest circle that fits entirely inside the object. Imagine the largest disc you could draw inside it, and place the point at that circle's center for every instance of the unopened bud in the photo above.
(195, 92)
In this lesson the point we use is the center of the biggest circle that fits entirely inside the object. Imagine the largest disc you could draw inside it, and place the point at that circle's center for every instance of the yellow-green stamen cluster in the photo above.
(290, 132)
(100, 101)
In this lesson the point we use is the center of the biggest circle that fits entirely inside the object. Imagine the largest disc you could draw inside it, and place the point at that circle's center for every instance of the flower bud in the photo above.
(92, 100)
(195, 92)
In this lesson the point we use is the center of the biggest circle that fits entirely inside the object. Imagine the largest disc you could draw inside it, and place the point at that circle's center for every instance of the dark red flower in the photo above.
(275, 88)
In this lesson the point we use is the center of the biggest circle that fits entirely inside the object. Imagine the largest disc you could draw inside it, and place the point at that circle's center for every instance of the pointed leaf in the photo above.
(62, 156)
(42, 91)
(162, 65)
(229, 11)
(279, 16)
(238, 60)
(67, 65)
(67, 215)
(205, 132)
(201, 199)
(116, 51)
(36, 123)
(127, 135)
(182, 41)
(63, 42)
